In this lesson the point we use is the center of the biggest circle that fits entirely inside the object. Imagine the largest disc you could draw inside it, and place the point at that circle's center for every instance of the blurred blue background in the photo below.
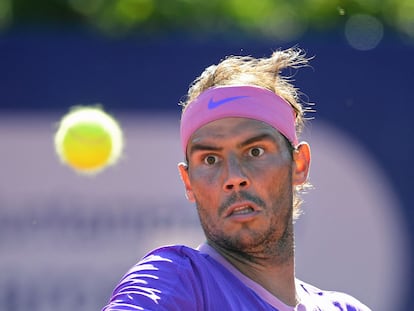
(138, 63)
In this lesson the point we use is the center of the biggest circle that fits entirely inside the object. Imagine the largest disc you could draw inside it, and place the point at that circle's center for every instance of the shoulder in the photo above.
(339, 300)
(168, 264)
(170, 259)
(163, 277)
(170, 254)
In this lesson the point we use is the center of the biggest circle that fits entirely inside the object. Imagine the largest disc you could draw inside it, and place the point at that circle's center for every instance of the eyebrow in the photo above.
(257, 138)
(201, 147)
(249, 141)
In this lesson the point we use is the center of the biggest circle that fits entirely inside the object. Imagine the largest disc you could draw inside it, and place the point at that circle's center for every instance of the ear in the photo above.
(183, 171)
(301, 163)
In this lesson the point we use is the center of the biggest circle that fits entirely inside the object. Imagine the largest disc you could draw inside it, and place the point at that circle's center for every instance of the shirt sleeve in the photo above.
(163, 280)
(346, 302)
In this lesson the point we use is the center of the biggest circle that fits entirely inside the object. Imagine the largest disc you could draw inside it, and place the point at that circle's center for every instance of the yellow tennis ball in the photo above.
(88, 140)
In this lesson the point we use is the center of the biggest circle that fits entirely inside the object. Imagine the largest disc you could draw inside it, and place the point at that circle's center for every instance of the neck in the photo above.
(274, 271)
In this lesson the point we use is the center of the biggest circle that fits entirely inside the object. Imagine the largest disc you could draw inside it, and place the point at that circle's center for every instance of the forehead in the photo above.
(234, 129)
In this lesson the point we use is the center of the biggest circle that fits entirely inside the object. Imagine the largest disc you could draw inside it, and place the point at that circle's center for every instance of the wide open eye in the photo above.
(210, 159)
(256, 151)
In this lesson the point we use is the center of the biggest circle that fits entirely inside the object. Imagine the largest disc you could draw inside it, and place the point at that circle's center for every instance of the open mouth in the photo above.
(242, 210)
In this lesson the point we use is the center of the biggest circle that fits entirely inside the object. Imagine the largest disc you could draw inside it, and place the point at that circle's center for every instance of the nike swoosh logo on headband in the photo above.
(214, 104)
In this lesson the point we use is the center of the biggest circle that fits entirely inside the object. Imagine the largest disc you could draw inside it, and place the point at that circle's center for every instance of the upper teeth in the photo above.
(242, 210)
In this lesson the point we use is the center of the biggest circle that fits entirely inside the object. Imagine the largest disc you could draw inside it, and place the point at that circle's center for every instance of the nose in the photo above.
(236, 179)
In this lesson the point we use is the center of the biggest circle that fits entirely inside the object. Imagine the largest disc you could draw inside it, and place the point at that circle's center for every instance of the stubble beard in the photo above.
(276, 243)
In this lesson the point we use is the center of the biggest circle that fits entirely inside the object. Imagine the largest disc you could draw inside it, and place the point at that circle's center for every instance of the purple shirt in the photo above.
(182, 278)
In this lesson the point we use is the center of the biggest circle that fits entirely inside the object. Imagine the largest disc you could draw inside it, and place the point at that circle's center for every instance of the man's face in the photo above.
(240, 176)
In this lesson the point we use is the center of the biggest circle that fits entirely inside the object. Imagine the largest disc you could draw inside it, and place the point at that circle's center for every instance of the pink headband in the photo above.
(238, 101)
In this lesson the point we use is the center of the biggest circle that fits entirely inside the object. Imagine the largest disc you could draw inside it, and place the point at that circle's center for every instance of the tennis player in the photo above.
(244, 169)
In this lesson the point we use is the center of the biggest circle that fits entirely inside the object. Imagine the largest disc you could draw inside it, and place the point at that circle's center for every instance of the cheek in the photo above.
(281, 189)
(274, 180)
(204, 179)
(272, 169)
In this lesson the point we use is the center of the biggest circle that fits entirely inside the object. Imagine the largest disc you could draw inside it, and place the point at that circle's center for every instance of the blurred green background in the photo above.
(276, 19)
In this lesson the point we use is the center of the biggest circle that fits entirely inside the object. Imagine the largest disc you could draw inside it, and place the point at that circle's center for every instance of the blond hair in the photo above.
(262, 72)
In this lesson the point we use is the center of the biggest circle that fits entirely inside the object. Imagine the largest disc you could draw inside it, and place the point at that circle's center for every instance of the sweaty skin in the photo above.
(241, 175)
